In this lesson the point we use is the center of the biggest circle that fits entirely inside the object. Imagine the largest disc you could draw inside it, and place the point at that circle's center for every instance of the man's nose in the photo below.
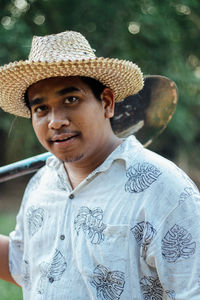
(58, 119)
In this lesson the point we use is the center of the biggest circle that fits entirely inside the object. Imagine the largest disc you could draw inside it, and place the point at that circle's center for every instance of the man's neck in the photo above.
(78, 171)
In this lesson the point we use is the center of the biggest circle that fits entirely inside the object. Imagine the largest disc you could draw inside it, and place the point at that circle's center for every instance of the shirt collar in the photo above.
(126, 151)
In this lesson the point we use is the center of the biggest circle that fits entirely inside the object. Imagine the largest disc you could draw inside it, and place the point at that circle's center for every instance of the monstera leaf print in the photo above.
(90, 221)
(26, 275)
(52, 271)
(141, 176)
(35, 219)
(151, 288)
(177, 244)
(109, 284)
(171, 294)
(57, 267)
(188, 192)
(143, 233)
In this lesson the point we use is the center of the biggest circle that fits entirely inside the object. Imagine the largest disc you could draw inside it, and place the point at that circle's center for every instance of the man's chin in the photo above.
(71, 159)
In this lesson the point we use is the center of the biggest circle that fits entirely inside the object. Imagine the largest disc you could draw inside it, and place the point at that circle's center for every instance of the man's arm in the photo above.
(175, 249)
(4, 260)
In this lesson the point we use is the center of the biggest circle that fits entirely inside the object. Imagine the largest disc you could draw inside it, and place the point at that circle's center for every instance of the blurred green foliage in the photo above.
(162, 37)
(8, 290)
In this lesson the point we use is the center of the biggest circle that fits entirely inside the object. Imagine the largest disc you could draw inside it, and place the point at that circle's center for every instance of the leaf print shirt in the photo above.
(129, 231)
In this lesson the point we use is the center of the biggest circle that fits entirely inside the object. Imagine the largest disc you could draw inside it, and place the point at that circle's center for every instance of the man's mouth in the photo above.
(59, 138)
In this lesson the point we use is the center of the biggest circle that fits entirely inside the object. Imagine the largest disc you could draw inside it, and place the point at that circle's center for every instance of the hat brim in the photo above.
(123, 77)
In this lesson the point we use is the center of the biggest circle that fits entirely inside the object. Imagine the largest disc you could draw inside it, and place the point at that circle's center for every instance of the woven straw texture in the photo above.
(64, 54)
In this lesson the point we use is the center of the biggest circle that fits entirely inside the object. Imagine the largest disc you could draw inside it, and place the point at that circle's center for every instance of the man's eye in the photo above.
(71, 99)
(40, 109)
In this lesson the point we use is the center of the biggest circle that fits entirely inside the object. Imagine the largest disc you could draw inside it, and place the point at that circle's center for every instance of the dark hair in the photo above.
(26, 99)
(96, 86)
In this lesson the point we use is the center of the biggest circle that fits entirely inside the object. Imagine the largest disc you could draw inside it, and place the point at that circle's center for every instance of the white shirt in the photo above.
(129, 231)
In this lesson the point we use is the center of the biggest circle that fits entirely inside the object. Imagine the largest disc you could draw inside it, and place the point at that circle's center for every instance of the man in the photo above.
(105, 218)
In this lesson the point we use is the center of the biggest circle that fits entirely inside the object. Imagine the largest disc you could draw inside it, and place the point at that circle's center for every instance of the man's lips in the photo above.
(63, 137)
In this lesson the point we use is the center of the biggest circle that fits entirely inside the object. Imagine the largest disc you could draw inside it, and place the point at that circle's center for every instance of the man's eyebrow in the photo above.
(59, 93)
(67, 90)
(36, 101)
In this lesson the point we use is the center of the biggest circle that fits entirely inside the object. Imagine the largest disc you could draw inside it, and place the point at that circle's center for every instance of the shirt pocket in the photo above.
(116, 242)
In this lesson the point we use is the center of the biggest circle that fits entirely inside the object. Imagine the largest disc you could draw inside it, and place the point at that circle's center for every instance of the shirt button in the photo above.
(51, 279)
(71, 196)
(62, 237)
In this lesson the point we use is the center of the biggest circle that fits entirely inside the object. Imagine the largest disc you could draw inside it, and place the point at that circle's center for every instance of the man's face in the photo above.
(67, 118)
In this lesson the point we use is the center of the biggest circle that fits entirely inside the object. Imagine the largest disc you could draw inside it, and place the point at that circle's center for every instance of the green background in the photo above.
(162, 37)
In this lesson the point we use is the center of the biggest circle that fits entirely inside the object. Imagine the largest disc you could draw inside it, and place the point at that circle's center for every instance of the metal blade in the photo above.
(147, 113)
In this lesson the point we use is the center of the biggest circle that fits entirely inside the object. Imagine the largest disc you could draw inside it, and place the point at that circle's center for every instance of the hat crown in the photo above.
(68, 45)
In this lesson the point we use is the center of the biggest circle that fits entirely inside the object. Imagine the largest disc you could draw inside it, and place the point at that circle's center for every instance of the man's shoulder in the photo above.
(150, 164)
(135, 153)
(148, 157)
(36, 179)
(47, 176)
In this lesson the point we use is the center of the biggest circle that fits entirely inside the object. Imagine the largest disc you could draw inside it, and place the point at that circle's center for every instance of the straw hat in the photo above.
(64, 54)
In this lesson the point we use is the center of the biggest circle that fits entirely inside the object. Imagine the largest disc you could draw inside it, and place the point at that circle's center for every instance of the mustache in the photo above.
(63, 132)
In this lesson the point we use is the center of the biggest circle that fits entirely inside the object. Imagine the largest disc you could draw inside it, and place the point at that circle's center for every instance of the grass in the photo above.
(8, 291)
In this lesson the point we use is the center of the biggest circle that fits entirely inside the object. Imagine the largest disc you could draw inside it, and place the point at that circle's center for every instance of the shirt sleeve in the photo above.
(16, 246)
(16, 237)
(175, 251)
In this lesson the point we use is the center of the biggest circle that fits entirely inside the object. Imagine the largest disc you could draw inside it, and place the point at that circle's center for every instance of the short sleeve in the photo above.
(16, 237)
(16, 246)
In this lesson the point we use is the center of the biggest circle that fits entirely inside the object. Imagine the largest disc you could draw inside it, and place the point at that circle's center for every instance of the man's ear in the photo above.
(108, 102)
